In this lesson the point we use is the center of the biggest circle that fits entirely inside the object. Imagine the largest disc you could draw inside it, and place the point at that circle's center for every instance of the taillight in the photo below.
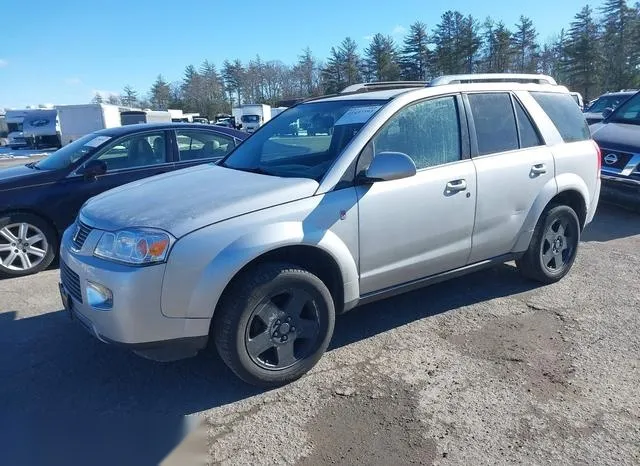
(599, 155)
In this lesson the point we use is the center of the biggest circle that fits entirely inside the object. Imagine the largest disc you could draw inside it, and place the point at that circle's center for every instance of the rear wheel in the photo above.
(553, 247)
(274, 323)
(27, 244)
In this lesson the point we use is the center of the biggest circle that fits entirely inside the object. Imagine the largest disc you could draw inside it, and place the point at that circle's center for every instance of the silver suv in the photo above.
(406, 185)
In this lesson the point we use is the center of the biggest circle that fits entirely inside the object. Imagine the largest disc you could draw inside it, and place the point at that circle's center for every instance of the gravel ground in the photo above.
(486, 369)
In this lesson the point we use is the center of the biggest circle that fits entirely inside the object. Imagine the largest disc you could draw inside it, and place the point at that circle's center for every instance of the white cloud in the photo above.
(369, 37)
(3, 63)
(399, 30)
(73, 81)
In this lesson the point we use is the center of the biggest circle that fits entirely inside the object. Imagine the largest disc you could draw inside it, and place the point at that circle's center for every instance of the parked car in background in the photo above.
(605, 103)
(618, 136)
(404, 187)
(39, 200)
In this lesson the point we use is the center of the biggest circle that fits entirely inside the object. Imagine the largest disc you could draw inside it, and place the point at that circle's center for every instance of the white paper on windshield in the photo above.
(97, 141)
(357, 115)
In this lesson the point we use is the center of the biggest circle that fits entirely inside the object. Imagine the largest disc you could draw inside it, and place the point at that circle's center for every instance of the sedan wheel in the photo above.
(26, 245)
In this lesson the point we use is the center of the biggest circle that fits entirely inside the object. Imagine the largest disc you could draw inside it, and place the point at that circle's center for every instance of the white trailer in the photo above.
(78, 120)
(254, 116)
(132, 117)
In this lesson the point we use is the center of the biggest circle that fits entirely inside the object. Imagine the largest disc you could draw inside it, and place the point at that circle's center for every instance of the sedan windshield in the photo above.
(628, 112)
(303, 141)
(72, 152)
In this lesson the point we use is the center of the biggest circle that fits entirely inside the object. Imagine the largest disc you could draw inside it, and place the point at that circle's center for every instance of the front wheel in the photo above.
(553, 247)
(28, 244)
(274, 323)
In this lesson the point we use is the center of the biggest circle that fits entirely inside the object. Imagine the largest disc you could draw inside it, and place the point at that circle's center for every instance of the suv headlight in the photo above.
(134, 246)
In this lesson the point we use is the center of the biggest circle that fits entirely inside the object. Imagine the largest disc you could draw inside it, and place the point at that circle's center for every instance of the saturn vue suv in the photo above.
(412, 184)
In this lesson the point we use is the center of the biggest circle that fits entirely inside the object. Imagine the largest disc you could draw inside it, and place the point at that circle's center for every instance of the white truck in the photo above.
(33, 127)
(78, 120)
(252, 116)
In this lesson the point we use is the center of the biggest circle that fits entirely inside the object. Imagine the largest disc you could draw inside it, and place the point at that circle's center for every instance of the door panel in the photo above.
(508, 185)
(415, 227)
(128, 159)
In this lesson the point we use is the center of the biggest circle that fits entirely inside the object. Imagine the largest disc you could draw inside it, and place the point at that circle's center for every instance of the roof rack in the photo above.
(493, 77)
(381, 86)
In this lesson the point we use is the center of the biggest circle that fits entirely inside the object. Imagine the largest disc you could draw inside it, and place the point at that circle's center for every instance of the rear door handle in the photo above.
(456, 185)
(539, 169)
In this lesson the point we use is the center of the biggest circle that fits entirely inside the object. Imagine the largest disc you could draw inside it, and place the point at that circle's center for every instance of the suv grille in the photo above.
(615, 159)
(80, 235)
(71, 281)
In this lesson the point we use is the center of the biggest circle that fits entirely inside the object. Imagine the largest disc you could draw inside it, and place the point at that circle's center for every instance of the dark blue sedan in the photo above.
(39, 200)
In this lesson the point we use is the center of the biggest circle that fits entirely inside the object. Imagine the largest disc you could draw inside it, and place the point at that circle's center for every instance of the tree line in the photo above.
(599, 51)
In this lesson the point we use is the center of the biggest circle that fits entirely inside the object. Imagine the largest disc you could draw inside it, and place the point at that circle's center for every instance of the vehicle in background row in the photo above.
(606, 103)
(618, 136)
(39, 200)
(33, 128)
(252, 116)
(577, 97)
(77, 121)
(405, 187)
(134, 117)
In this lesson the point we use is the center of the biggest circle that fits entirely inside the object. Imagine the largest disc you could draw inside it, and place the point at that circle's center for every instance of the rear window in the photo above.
(564, 113)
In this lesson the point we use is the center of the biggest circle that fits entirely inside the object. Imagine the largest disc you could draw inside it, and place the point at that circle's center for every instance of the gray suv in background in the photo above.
(410, 185)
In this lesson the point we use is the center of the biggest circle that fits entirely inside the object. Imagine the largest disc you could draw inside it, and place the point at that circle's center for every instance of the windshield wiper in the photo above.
(258, 170)
(32, 165)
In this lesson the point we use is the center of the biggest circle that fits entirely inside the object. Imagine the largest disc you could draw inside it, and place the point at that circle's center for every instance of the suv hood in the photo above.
(617, 136)
(185, 200)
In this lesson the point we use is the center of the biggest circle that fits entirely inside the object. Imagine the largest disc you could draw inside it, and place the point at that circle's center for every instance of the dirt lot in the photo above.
(486, 369)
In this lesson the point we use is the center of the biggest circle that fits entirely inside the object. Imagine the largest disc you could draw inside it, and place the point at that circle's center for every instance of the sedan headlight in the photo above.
(134, 246)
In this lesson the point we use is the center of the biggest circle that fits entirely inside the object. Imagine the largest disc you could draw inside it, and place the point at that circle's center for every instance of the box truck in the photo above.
(78, 120)
(252, 116)
(134, 117)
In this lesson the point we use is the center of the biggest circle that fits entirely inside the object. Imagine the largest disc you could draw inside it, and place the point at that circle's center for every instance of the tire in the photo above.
(553, 246)
(31, 257)
(266, 337)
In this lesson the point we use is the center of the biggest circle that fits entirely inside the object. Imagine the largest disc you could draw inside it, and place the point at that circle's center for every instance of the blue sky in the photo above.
(61, 52)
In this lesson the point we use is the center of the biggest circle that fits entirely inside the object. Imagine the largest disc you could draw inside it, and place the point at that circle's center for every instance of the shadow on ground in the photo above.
(610, 223)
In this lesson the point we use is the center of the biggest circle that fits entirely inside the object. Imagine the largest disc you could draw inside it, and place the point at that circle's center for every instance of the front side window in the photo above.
(139, 150)
(427, 131)
(494, 122)
(195, 144)
(323, 130)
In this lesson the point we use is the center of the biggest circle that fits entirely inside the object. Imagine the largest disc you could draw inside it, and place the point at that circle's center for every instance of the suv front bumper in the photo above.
(135, 319)
(621, 190)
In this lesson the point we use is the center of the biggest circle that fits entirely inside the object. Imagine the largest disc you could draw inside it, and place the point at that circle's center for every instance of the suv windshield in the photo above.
(72, 152)
(323, 131)
(628, 112)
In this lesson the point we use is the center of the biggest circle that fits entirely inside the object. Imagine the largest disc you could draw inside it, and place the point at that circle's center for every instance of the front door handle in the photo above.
(539, 169)
(456, 185)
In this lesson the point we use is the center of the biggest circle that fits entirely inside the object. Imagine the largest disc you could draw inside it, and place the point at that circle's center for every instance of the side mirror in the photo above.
(93, 169)
(607, 112)
(388, 166)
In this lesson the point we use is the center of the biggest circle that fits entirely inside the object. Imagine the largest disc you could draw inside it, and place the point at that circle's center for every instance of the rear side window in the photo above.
(528, 134)
(494, 122)
(564, 113)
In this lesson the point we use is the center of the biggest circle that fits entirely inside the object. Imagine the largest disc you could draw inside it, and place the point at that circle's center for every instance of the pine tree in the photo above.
(381, 59)
(129, 96)
(457, 43)
(415, 56)
(233, 75)
(621, 54)
(306, 73)
(160, 93)
(344, 67)
(332, 77)
(97, 98)
(526, 46)
(583, 54)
